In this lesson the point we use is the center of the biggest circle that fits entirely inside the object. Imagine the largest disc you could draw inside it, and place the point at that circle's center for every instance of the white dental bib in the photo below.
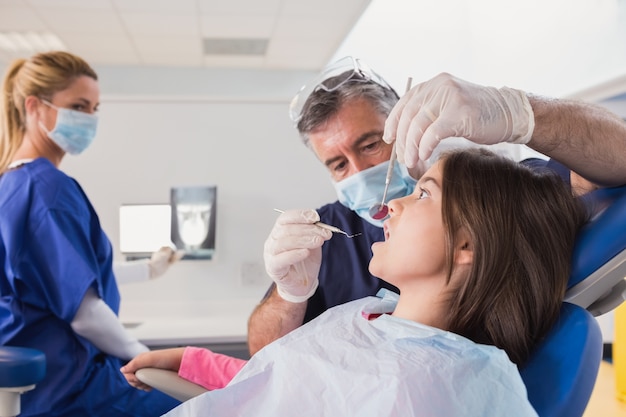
(342, 364)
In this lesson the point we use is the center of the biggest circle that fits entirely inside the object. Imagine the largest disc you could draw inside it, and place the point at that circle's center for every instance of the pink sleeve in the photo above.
(208, 369)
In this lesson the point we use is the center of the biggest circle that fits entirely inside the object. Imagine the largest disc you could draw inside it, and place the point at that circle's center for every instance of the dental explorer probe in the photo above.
(333, 229)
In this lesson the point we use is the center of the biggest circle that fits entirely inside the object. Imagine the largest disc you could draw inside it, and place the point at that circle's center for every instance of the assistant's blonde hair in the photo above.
(42, 75)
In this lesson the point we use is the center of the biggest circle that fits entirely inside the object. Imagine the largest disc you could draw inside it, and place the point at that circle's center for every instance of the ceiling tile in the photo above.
(111, 50)
(237, 26)
(152, 6)
(171, 32)
(20, 18)
(71, 4)
(83, 21)
(310, 28)
(240, 7)
(139, 24)
(329, 9)
(169, 50)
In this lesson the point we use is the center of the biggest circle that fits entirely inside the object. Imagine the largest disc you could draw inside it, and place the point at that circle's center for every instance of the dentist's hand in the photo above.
(446, 106)
(293, 254)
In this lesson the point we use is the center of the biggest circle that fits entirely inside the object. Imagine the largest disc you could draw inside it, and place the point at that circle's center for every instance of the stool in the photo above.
(20, 369)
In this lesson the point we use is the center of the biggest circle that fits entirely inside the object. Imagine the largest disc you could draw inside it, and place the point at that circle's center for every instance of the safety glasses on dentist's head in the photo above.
(331, 78)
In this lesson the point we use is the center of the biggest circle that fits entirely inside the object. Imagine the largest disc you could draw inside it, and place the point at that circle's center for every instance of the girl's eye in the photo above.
(422, 194)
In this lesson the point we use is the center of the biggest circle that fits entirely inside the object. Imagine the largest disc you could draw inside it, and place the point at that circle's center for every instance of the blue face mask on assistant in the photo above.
(359, 192)
(74, 130)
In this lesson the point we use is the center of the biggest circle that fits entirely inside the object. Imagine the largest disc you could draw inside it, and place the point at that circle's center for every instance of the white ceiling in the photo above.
(573, 48)
(302, 34)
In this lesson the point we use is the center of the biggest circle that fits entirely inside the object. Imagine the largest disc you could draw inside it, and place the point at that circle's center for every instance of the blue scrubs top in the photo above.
(344, 274)
(549, 165)
(52, 249)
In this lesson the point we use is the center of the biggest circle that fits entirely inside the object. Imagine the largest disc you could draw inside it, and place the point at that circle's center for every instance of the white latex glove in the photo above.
(446, 106)
(293, 254)
(161, 260)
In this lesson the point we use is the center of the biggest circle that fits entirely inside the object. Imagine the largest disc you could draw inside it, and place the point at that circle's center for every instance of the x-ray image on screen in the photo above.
(193, 220)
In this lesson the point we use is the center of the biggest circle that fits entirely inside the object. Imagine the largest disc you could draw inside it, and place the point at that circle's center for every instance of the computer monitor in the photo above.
(144, 228)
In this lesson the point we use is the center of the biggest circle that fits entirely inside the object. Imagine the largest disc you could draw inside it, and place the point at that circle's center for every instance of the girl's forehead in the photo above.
(434, 171)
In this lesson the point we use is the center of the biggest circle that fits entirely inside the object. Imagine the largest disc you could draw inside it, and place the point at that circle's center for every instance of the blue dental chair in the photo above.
(561, 374)
(599, 262)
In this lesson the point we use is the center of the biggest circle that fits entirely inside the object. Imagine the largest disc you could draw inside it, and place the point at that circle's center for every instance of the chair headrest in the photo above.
(604, 236)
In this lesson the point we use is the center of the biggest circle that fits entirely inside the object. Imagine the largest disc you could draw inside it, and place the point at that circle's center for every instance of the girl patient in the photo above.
(480, 252)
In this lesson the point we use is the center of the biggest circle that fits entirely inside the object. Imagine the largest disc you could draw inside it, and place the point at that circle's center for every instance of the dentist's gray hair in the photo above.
(321, 105)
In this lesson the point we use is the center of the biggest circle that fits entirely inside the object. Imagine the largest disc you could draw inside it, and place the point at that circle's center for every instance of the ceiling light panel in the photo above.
(223, 46)
(30, 42)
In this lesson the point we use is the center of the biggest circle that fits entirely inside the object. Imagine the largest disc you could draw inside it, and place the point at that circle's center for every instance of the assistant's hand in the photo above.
(293, 254)
(446, 106)
(161, 260)
(163, 359)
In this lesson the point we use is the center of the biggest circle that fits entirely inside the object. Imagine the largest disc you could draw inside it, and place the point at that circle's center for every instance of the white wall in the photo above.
(234, 138)
(549, 47)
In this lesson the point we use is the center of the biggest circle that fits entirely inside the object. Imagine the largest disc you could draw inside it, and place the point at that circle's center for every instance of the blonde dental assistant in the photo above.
(58, 291)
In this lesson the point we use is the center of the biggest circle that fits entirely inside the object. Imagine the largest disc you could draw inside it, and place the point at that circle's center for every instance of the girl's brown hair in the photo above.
(522, 226)
(42, 75)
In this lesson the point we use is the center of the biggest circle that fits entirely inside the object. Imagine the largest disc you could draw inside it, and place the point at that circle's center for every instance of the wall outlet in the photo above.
(253, 273)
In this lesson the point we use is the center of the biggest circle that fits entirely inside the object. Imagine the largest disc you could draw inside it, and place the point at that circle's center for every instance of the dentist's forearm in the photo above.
(272, 319)
(586, 138)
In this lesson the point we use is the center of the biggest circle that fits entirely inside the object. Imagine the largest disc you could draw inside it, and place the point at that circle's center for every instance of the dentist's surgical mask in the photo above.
(359, 192)
(74, 130)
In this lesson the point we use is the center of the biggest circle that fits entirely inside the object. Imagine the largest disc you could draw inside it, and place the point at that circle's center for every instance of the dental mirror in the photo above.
(380, 211)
